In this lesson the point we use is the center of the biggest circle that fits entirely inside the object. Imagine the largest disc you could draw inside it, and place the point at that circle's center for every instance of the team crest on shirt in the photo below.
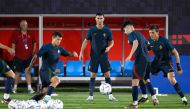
(104, 34)
(94, 34)
(89, 67)
(58, 51)
(160, 47)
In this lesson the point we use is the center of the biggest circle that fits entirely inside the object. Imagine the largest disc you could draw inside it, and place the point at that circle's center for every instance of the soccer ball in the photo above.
(23, 105)
(59, 104)
(31, 104)
(41, 105)
(16, 104)
(55, 104)
(105, 88)
(12, 104)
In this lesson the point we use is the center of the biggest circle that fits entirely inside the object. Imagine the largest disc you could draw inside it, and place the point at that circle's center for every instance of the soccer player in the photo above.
(6, 71)
(24, 45)
(101, 40)
(140, 51)
(50, 56)
(163, 51)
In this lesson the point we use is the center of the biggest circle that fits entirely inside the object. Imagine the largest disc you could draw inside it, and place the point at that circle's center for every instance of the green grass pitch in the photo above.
(77, 100)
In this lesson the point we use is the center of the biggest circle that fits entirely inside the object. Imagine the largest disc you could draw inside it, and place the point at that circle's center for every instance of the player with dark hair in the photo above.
(50, 56)
(163, 51)
(9, 74)
(140, 51)
(101, 40)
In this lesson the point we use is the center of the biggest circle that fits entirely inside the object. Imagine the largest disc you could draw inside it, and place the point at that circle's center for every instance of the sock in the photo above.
(29, 87)
(150, 88)
(6, 96)
(110, 95)
(108, 80)
(53, 90)
(15, 86)
(184, 99)
(135, 102)
(154, 97)
(91, 86)
(144, 95)
(135, 93)
(142, 87)
(50, 90)
(38, 96)
(8, 85)
(178, 90)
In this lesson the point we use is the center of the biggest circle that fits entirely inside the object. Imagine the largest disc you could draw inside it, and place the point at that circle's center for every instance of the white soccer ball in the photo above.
(12, 104)
(55, 104)
(31, 104)
(59, 104)
(41, 105)
(51, 104)
(23, 105)
(17, 104)
(105, 88)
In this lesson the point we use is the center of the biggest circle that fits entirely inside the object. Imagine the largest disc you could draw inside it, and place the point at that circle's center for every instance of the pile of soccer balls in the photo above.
(32, 104)
(105, 88)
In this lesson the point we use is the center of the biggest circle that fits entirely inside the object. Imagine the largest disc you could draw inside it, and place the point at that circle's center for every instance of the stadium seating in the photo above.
(74, 69)
(116, 68)
(60, 66)
(87, 73)
(128, 68)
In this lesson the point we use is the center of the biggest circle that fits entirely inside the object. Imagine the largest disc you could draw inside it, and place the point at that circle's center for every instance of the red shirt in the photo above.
(24, 45)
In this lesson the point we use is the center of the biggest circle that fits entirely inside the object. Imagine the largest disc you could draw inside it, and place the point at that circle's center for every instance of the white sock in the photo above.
(135, 102)
(144, 95)
(6, 96)
(15, 86)
(184, 99)
(29, 87)
(154, 97)
(110, 95)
